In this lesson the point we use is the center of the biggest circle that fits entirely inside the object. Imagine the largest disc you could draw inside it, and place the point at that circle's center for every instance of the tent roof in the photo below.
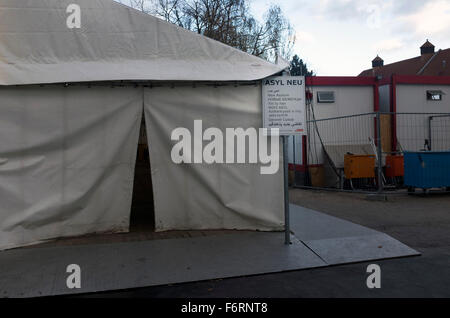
(115, 42)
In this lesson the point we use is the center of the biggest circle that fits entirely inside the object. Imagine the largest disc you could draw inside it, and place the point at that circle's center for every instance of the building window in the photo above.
(435, 95)
(325, 97)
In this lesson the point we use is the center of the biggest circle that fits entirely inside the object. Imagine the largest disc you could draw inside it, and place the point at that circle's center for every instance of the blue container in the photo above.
(427, 170)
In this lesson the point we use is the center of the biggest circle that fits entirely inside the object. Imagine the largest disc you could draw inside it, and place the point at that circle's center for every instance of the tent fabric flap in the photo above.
(114, 43)
(68, 155)
(67, 158)
(209, 196)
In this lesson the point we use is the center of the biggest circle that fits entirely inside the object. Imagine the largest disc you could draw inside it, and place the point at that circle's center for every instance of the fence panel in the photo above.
(329, 140)
(439, 132)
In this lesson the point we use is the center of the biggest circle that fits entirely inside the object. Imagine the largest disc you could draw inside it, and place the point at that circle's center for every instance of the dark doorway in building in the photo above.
(142, 211)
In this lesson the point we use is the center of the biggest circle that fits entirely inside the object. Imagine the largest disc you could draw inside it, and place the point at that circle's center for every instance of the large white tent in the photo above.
(71, 104)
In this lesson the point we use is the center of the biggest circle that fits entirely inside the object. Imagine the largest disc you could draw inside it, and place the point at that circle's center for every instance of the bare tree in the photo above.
(141, 5)
(170, 10)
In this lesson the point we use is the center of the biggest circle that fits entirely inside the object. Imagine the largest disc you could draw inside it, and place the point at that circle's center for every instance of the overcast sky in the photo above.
(341, 37)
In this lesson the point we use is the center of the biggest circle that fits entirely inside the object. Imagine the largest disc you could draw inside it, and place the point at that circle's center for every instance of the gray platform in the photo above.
(338, 241)
(319, 241)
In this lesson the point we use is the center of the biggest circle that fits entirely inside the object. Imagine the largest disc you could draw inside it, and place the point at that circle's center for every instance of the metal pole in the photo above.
(287, 228)
(295, 162)
(429, 132)
(379, 154)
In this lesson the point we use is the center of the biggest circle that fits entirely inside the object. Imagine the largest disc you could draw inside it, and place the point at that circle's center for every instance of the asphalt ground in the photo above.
(422, 222)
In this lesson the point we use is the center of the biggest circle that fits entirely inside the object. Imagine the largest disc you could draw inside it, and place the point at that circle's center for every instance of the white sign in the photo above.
(284, 104)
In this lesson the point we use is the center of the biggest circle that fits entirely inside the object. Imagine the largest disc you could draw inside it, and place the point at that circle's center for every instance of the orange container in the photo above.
(395, 166)
(359, 166)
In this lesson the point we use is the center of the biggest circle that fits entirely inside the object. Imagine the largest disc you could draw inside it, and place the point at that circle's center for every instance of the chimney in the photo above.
(427, 48)
(377, 62)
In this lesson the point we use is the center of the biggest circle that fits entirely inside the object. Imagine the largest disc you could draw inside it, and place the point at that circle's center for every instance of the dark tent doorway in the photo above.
(142, 211)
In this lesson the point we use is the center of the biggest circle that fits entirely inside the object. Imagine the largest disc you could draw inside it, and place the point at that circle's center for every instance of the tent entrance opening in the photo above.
(142, 211)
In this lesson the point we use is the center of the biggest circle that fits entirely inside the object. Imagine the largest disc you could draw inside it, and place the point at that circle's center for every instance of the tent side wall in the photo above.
(202, 196)
(67, 160)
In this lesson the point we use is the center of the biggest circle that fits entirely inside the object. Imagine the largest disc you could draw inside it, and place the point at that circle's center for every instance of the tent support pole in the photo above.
(287, 228)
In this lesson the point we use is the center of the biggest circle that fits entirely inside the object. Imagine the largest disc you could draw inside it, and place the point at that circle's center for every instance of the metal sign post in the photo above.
(287, 223)
(284, 108)
(379, 155)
